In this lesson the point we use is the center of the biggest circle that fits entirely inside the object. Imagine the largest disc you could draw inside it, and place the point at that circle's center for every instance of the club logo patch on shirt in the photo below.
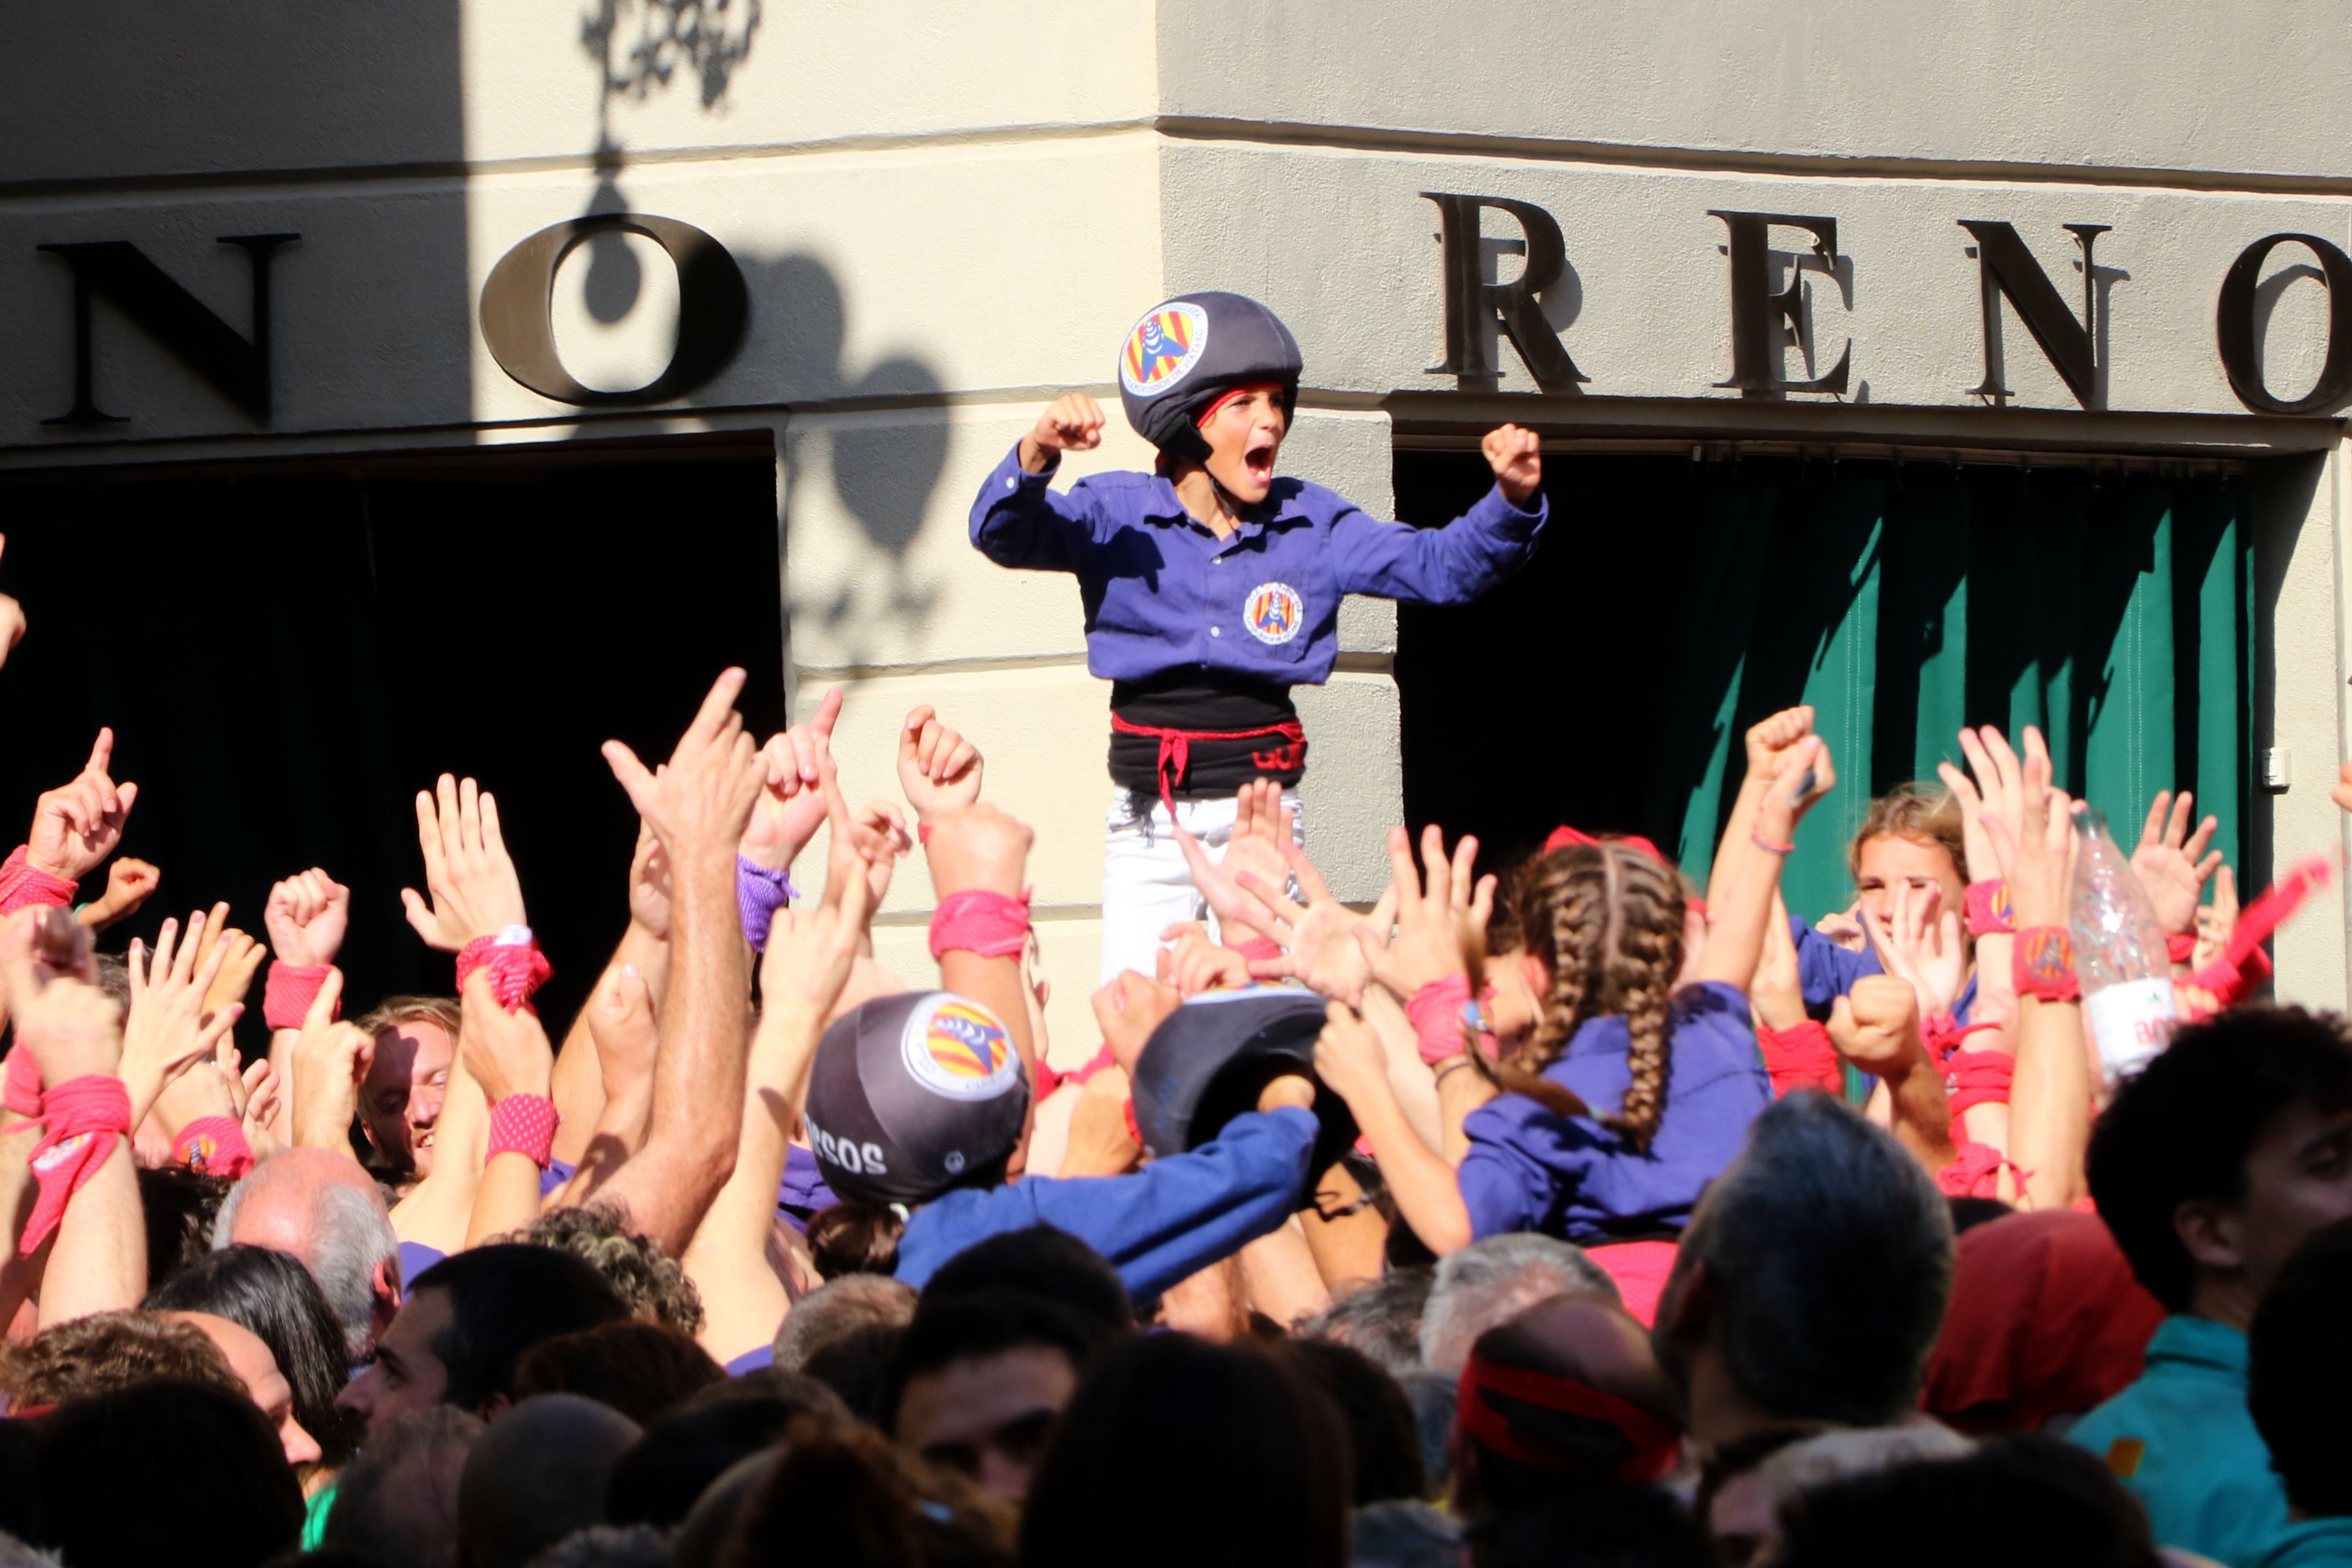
(1273, 612)
(957, 1049)
(1164, 346)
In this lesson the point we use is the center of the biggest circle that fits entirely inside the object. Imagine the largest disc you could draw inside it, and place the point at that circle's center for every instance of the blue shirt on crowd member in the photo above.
(1532, 1168)
(2183, 1441)
(1826, 971)
(1163, 593)
(1162, 1224)
(2314, 1544)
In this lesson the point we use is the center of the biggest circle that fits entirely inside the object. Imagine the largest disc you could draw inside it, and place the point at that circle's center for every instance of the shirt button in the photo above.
(1216, 631)
(1011, 483)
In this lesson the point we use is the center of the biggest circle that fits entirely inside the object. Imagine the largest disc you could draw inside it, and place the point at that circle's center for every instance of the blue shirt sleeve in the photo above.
(1448, 565)
(1825, 971)
(1018, 521)
(1164, 1223)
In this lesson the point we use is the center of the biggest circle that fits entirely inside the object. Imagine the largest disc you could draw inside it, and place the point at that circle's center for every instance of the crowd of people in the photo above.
(1572, 1213)
(1521, 1218)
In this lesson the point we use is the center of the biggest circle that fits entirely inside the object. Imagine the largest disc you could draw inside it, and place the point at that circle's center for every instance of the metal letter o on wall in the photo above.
(712, 309)
(2241, 355)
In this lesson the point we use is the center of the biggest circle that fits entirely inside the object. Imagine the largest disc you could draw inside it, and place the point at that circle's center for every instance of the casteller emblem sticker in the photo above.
(1164, 346)
(957, 1049)
(1273, 612)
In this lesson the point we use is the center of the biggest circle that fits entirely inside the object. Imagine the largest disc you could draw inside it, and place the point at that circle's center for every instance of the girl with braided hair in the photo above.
(1631, 1080)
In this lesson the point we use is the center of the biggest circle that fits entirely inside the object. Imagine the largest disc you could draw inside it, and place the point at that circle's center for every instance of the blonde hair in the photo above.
(1920, 813)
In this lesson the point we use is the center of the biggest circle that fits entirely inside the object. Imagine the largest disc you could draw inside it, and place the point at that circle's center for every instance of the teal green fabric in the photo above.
(2116, 615)
(314, 1517)
(2200, 1467)
(2314, 1544)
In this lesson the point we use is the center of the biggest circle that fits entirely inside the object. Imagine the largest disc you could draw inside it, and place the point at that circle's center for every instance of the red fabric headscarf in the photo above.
(2045, 1320)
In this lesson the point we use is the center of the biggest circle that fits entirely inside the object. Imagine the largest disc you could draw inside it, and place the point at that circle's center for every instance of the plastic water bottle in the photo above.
(2120, 953)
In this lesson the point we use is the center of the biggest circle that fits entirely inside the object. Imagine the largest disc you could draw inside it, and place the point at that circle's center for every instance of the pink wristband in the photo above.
(1988, 909)
(24, 885)
(517, 966)
(22, 1092)
(1800, 1057)
(2043, 965)
(524, 1125)
(82, 1116)
(1435, 1014)
(1260, 950)
(977, 920)
(2180, 946)
(214, 1146)
(287, 996)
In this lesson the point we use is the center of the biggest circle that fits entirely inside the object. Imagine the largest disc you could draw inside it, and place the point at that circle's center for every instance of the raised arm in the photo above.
(1463, 559)
(1770, 743)
(305, 918)
(806, 965)
(698, 807)
(1018, 520)
(1734, 937)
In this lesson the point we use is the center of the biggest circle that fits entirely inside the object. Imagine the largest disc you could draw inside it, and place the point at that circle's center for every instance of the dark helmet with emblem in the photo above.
(1209, 1061)
(1188, 352)
(914, 1095)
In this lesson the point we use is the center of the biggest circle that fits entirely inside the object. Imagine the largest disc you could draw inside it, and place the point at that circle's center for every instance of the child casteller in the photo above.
(1212, 587)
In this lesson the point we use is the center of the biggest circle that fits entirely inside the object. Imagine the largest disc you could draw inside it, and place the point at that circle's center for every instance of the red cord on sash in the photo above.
(1176, 751)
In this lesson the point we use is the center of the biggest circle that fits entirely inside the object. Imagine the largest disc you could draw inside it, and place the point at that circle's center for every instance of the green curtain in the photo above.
(2113, 611)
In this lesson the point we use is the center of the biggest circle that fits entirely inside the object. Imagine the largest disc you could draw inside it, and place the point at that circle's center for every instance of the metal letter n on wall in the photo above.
(713, 307)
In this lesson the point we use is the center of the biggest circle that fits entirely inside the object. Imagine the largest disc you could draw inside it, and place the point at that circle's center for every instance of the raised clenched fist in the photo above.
(306, 917)
(1071, 423)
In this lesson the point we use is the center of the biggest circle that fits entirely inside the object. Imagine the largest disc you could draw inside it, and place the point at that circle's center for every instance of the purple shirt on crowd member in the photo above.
(1826, 971)
(1530, 1169)
(1162, 592)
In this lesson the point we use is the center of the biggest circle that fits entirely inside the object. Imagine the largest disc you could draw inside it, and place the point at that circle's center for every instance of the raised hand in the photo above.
(306, 917)
(171, 1024)
(2172, 863)
(792, 804)
(2032, 833)
(978, 847)
(1876, 1024)
(1193, 963)
(1318, 938)
(257, 1093)
(1263, 824)
(240, 959)
(1994, 792)
(1517, 457)
(1771, 740)
(1806, 779)
(622, 1023)
(506, 1052)
(129, 883)
(699, 804)
(2217, 922)
(1349, 1058)
(329, 1059)
(1924, 949)
(1071, 423)
(939, 770)
(810, 951)
(649, 886)
(1427, 945)
(77, 825)
(466, 869)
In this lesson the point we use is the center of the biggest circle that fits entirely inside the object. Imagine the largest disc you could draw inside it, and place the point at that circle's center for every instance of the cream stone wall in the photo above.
(947, 214)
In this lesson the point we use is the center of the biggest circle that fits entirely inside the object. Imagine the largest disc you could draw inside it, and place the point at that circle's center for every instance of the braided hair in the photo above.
(1606, 923)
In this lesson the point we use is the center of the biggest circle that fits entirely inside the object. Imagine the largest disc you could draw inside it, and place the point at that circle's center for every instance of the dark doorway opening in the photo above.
(1674, 602)
(287, 653)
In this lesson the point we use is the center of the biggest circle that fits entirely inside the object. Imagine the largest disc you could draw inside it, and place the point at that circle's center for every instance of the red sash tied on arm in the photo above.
(517, 966)
(1800, 1057)
(1260, 950)
(22, 1092)
(1435, 1014)
(81, 1119)
(524, 1125)
(214, 1146)
(992, 925)
(1988, 909)
(2243, 965)
(1645, 1444)
(24, 885)
(287, 996)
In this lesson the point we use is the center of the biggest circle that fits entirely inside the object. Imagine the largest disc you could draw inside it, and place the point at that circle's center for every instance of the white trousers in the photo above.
(1147, 886)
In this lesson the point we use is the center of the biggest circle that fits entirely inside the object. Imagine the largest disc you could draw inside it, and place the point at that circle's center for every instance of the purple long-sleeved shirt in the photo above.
(1162, 592)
